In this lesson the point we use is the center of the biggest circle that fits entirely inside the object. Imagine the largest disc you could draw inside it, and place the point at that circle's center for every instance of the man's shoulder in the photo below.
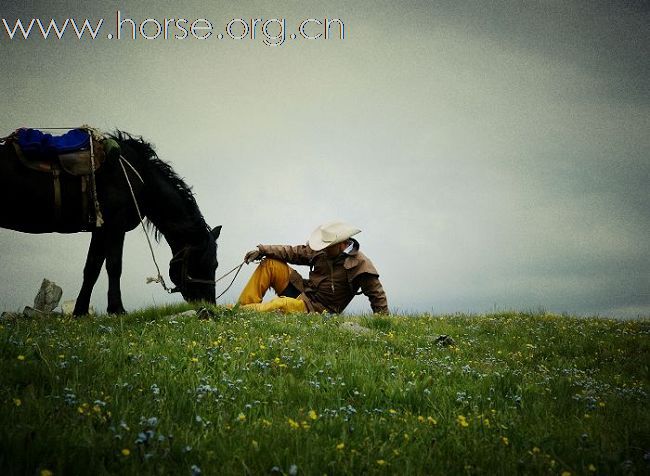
(358, 263)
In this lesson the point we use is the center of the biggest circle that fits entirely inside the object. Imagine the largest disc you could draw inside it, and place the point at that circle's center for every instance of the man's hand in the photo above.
(253, 255)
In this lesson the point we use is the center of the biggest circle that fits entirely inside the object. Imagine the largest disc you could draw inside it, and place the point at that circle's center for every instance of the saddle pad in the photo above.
(38, 142)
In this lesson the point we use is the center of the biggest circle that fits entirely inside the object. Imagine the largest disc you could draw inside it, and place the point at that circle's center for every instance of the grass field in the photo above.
(247, 393)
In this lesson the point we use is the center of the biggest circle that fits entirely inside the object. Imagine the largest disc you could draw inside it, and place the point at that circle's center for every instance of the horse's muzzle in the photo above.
(198, 292)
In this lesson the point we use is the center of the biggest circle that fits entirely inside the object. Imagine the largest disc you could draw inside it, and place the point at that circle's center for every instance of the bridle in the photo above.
(185, 279)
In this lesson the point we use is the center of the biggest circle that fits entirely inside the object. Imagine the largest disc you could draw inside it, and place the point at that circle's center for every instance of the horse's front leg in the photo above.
(94, 261)
(114, 246)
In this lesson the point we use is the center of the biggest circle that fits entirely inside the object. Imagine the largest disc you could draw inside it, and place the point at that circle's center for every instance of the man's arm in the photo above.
(300, 254)
(371, 287)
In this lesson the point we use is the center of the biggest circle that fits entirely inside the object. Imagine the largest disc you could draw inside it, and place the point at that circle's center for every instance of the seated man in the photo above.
(338, 270)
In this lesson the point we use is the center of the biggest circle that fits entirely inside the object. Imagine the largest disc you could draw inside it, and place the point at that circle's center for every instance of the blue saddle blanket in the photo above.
(34, 141)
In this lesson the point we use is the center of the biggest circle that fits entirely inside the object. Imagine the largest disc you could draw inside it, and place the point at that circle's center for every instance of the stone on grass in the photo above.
(355, 327)
(181, 315)
(31, 312)
(68, 308)
(48, 296)
(9, 315)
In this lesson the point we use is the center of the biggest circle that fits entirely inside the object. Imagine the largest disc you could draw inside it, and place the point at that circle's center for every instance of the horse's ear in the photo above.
(216, 231)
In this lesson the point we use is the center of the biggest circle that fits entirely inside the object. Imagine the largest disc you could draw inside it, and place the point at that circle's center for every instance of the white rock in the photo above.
(181, 315)
(68, 306)
(354, 327)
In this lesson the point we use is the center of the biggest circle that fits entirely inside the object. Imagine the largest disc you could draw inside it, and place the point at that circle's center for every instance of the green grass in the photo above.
(248, 393)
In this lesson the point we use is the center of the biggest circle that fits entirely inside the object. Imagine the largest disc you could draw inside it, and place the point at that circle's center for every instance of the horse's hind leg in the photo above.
(94, 261)
(114, 249)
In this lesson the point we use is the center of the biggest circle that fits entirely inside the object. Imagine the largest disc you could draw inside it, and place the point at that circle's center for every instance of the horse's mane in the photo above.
(147, 155)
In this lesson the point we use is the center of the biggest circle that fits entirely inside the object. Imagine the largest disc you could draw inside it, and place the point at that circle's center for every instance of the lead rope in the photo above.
(99, 219)
(159, 278)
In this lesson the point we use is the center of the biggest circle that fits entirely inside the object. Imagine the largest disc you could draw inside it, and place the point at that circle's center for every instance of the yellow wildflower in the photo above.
(420, 418)
(462, 421)
(241, 417)
(592, 468)
(381, 462)
(46, 472)
(21, 357)
(313, 415)
(194, 359)
(18, 402)
(293, 424)
(505, 440)
(432, 420)
(340, 446)
(126, 452)
(566, 473)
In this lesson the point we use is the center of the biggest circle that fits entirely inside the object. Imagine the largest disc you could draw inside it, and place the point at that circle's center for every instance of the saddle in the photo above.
(79, 152)
(70, 152)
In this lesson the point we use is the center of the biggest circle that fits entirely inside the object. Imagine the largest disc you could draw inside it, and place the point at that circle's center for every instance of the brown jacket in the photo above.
(333, 282)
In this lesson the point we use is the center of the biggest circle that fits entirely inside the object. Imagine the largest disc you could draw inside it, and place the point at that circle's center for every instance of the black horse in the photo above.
(27, 205)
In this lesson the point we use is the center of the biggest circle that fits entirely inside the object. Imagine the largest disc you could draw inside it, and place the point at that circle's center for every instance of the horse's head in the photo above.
(193, 268)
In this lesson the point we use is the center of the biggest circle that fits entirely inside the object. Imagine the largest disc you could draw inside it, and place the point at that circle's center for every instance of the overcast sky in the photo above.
(496, 155)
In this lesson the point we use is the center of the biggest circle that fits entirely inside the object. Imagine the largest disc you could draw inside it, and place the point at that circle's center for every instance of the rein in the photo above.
(159, 278)
(238, 268)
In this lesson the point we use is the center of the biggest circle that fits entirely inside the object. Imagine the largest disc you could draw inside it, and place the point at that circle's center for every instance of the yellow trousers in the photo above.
(271, 273)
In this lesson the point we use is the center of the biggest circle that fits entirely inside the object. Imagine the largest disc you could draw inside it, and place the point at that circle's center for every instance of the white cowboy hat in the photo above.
(331, 234)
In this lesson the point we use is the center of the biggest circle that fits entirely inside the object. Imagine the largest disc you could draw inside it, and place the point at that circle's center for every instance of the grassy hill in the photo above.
(246, 393)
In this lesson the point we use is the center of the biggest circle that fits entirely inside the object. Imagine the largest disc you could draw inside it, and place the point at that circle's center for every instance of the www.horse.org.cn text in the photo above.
(270, 32)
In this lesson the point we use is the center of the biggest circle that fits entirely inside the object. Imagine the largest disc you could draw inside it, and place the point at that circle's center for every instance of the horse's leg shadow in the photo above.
(94, 261)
